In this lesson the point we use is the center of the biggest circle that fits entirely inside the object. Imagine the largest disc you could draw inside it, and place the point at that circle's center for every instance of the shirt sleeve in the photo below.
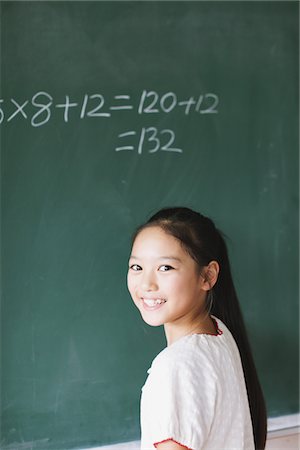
(180, 402)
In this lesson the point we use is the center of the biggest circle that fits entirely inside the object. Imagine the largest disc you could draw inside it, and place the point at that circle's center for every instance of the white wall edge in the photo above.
(283, 422)
(133, 445)
(282, 425)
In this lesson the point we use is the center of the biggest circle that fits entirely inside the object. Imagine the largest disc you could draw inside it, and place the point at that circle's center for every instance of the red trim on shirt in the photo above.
(171, 439)
(218, 331)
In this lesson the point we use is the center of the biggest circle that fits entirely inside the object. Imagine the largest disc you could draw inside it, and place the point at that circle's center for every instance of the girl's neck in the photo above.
(201, 325)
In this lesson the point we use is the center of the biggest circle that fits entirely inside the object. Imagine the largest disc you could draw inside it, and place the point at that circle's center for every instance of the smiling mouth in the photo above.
(153, 302)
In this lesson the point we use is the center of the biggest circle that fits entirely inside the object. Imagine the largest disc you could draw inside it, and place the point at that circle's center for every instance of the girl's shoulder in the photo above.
(197, 352)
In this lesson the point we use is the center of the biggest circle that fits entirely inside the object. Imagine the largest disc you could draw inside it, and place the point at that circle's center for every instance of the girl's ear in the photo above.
(210, 274)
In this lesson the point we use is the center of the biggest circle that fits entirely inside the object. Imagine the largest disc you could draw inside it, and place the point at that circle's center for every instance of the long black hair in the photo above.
(205, 243)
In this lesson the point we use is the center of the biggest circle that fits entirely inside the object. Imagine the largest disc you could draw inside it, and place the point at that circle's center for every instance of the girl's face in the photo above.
(165, 283)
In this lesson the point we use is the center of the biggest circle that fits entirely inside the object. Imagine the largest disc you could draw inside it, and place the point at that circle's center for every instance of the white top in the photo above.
(195, 394)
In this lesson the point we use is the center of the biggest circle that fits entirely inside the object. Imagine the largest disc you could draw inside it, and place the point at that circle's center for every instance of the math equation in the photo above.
(42, 106)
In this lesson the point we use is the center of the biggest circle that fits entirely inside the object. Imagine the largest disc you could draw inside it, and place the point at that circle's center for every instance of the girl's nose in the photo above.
(149, 282)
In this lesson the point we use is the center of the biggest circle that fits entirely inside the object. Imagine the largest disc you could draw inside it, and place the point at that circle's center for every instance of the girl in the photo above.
(202, 391)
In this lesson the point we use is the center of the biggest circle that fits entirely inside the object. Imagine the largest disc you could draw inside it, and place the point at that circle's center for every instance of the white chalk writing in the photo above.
(39, 109)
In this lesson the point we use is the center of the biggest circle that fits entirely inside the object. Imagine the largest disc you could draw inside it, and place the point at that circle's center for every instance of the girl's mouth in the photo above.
(152, 304)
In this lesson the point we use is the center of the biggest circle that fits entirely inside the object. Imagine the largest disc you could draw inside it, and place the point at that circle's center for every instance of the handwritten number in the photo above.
(85, 100)
(44, 108)
(142, 137)
(94, 112)
(149, 108)
(167, 147)
(150, 135)
(1, 112)
(173, 102)
(153, 138)
(212, 109)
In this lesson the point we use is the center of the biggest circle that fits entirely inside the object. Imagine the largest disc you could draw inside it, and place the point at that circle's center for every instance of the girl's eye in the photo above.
(165, 268)
(135, 267)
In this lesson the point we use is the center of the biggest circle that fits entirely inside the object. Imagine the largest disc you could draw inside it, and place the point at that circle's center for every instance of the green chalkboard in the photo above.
(109, 111)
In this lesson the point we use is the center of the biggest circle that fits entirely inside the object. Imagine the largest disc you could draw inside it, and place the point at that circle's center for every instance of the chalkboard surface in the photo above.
(109, 111)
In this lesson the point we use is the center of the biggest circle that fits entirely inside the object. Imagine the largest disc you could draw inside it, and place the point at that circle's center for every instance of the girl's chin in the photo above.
(152, 321)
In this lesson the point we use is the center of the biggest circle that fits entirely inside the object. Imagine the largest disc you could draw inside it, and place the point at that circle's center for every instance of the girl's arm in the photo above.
(170, 445)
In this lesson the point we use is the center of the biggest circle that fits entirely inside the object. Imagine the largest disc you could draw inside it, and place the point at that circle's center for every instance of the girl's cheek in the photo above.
(131, 287)
(129, 283)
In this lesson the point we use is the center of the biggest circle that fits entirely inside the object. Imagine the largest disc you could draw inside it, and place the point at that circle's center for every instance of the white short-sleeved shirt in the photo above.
(195, 394)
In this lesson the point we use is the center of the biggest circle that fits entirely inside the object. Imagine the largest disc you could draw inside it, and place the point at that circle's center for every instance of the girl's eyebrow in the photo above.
(172, 258)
